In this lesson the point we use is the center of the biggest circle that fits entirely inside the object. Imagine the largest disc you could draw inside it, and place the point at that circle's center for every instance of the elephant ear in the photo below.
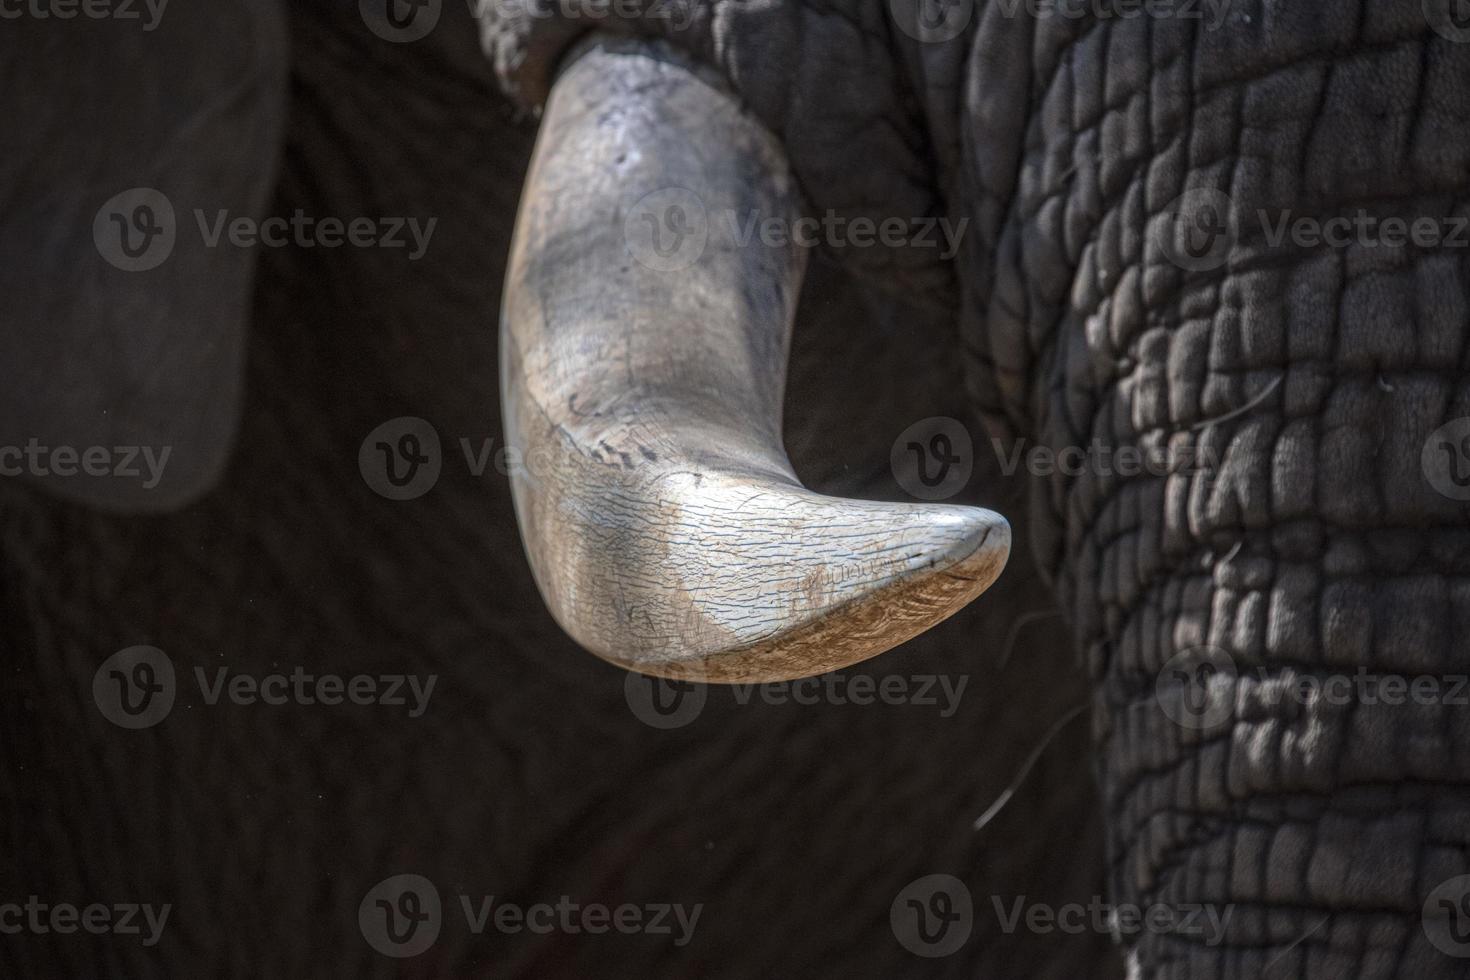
(122, 350)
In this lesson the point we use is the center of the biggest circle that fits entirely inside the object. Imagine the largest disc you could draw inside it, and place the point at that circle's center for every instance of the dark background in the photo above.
(529, 777)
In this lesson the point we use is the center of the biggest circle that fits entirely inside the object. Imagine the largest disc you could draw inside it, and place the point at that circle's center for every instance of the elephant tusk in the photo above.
(643, 353)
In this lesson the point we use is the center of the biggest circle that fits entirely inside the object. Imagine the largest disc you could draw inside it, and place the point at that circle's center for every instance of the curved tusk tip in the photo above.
(778, 583)
(977, 537)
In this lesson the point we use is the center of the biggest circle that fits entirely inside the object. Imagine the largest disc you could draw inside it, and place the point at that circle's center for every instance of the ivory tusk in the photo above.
(643, 353)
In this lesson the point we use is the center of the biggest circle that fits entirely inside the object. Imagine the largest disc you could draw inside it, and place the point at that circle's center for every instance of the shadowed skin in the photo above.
(1310, 546)
(528, 776)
